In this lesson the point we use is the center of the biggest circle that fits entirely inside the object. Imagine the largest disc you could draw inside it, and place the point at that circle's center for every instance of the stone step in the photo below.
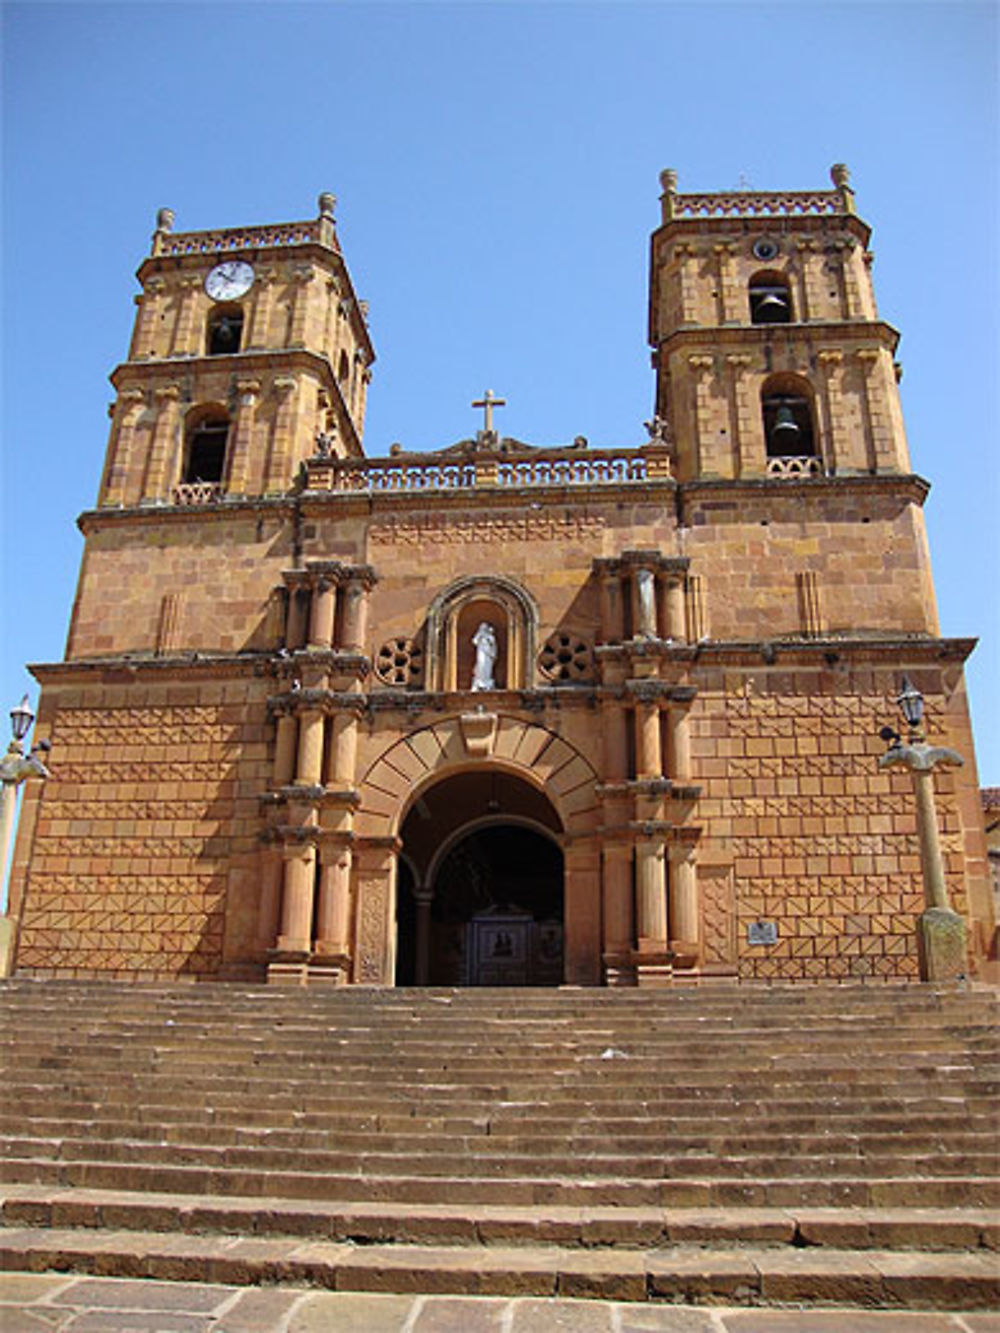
(147, 1119)
(441, 1223)
(651, 1139)
(864, 1188)
(481, 1156)
(695, 1275)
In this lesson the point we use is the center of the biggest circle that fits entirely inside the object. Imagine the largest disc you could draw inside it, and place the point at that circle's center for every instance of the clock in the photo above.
(229, 280)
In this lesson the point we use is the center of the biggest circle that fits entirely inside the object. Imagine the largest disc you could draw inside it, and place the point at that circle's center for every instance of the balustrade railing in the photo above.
(792, 466)
(198, 493)
(594, 468)
(757, 204)
(236, 238)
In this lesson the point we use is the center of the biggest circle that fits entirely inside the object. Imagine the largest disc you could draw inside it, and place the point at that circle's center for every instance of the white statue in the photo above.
(486, 655)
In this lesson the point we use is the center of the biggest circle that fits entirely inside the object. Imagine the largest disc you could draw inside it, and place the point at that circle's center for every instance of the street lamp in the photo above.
(941, 931)
(14, 768)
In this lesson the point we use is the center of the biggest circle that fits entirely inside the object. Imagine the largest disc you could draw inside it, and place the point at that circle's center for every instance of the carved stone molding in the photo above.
(478, 732)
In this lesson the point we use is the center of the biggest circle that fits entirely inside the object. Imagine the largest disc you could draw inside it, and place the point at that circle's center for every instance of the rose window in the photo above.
(565, 657)
(399, 662)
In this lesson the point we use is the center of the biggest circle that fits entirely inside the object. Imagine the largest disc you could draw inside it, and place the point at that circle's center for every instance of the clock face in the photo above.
(229, 280)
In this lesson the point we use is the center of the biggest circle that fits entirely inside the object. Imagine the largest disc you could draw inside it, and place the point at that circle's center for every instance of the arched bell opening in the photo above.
(789, 424)
(206, 438)
(224, 330)
(480, 898)
(770, 299)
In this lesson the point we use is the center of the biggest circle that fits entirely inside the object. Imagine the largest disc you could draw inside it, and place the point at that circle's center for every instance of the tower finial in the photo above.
(327, 203)
(165, 219)
(668, 183)
(841, 178)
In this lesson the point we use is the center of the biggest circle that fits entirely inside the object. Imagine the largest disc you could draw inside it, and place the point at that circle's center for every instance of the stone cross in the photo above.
(488, 403)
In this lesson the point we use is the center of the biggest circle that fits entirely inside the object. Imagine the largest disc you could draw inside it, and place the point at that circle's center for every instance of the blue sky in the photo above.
(496, 170)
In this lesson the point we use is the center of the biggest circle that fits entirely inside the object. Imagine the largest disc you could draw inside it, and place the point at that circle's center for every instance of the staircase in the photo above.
(744, 1146)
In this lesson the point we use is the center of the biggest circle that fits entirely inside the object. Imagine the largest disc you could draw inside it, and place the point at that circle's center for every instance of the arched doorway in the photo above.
(480, 902)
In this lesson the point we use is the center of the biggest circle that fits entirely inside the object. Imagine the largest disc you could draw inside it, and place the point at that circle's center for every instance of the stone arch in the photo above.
(474, 742)
(396, 779)
(499, 601)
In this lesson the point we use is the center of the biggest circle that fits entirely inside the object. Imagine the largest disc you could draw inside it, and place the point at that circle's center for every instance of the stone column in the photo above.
(279, 471)
(150, 304)
(685, 254)
(298, 614)
(644, 603)
(269, 908)
(285, 749)
(187, 340)
(343, 749)
(695, 607)
(424, 898)
(653, 964)
(648, 755)
(582, 913)
(333, 915)
(684, 914)
(838, 438)
(128, 409)
(732, 297)
(302, 275)
(295, 936)
(241, 436)
(701, 369)
(310, 758)
(747, 436)
(618, 914)
(816, 303)
(260, 310)
(882, 440)
(679, 745)
(375, 859)
(853, 297)
(164, 443)
(324, 609)
(612, 628)
(356, 613)
(672, 617)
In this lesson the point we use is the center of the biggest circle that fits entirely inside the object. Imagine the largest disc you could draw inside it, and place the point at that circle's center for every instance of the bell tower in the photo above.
(249, 347)
(771, 360)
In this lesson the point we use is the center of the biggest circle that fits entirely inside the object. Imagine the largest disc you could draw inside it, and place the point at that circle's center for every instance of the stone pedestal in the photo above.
(941, 945)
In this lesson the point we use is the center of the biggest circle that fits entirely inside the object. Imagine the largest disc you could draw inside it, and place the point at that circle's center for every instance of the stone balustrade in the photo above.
(238, 238)
(593, 468)
(756, 203)
(198, 493)
(792, 466)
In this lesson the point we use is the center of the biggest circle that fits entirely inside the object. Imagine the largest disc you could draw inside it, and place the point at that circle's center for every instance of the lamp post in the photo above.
(14, 768)
(941, 931)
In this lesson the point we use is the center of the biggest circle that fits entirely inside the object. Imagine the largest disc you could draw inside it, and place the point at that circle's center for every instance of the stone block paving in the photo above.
(63, 1303)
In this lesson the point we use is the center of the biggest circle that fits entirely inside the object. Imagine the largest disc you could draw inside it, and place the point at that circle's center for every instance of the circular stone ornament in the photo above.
(565, 657)
(399, 662)
(765, 248)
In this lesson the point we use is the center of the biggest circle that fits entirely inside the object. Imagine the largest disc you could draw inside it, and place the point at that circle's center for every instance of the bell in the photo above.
(785, 430)
(772, 308)
(225, 334)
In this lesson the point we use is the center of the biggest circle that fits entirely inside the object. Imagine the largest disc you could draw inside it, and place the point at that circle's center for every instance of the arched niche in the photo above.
(454, 618)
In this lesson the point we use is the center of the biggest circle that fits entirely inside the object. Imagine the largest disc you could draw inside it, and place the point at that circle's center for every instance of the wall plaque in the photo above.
(762, 932)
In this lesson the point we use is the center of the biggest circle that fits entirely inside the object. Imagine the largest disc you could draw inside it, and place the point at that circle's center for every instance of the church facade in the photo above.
(500, 714)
